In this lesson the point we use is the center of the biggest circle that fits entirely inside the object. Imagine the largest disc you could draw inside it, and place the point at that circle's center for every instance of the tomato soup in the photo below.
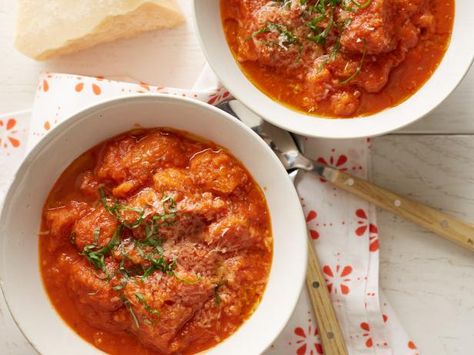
(155, 242)
(338, 58)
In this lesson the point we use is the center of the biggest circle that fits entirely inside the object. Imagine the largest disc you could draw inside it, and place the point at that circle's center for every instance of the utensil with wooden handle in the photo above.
(435, 221)
(329, 329)
(287, 151)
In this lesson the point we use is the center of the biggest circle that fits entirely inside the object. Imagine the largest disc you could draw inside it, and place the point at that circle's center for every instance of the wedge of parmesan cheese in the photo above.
(48, 28)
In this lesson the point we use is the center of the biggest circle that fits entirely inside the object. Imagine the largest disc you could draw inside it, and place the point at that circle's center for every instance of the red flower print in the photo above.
(312, 232)
(218, 97)
(368, 342)
(334, 160)
(7, 134)
(95, 87)
(364, 223)
(308, 342)
(145, 85)
(414, 350)
(373, 238)
(79, 87)
(337, 280)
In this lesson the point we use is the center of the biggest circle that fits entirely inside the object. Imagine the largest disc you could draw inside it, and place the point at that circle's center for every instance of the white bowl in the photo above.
(20, 219)
(449, 74)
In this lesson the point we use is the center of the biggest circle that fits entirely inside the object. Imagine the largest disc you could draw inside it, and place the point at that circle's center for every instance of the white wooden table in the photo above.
(429, 281)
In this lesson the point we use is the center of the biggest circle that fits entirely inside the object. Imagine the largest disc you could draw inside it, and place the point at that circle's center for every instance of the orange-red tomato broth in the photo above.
(209, 258)
(406, 44)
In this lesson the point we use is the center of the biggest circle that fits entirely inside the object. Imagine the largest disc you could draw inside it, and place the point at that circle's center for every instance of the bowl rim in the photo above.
(277, 113)
(88, 110)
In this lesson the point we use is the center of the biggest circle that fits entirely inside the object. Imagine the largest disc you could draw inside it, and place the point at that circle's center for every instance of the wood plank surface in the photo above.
(428, 281)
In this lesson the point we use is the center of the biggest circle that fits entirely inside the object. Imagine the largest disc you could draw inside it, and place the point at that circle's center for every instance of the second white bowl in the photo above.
(449, 74)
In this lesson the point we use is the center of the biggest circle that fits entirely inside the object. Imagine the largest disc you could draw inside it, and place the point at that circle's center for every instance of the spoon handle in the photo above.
(435, 221)
(329, 329)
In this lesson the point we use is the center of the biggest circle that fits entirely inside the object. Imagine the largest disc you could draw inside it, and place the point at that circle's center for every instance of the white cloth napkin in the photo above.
(343, 228)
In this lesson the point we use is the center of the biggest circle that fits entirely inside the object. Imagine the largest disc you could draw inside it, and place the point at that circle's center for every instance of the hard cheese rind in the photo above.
(49, 28)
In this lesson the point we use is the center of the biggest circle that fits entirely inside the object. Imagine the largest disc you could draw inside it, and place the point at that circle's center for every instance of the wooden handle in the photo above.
(435, 221)
(329, 329)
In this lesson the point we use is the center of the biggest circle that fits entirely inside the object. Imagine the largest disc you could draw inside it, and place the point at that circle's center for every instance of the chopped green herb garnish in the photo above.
(284, 3)
(116, 210)
(141, 299)
(97, 256)
(150, 248)
(148, 271)
(161, 264)
(127, 304)
(335, 50)
(122, 267)
(285, 36)
(320, 35)
(170, 201)
(363, 5)
(325, 26)
(217, 297)
(187, 281)
(357, 71)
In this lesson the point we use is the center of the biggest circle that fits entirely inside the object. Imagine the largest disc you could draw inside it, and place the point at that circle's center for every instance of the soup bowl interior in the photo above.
(449, 74)
(20, 220)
